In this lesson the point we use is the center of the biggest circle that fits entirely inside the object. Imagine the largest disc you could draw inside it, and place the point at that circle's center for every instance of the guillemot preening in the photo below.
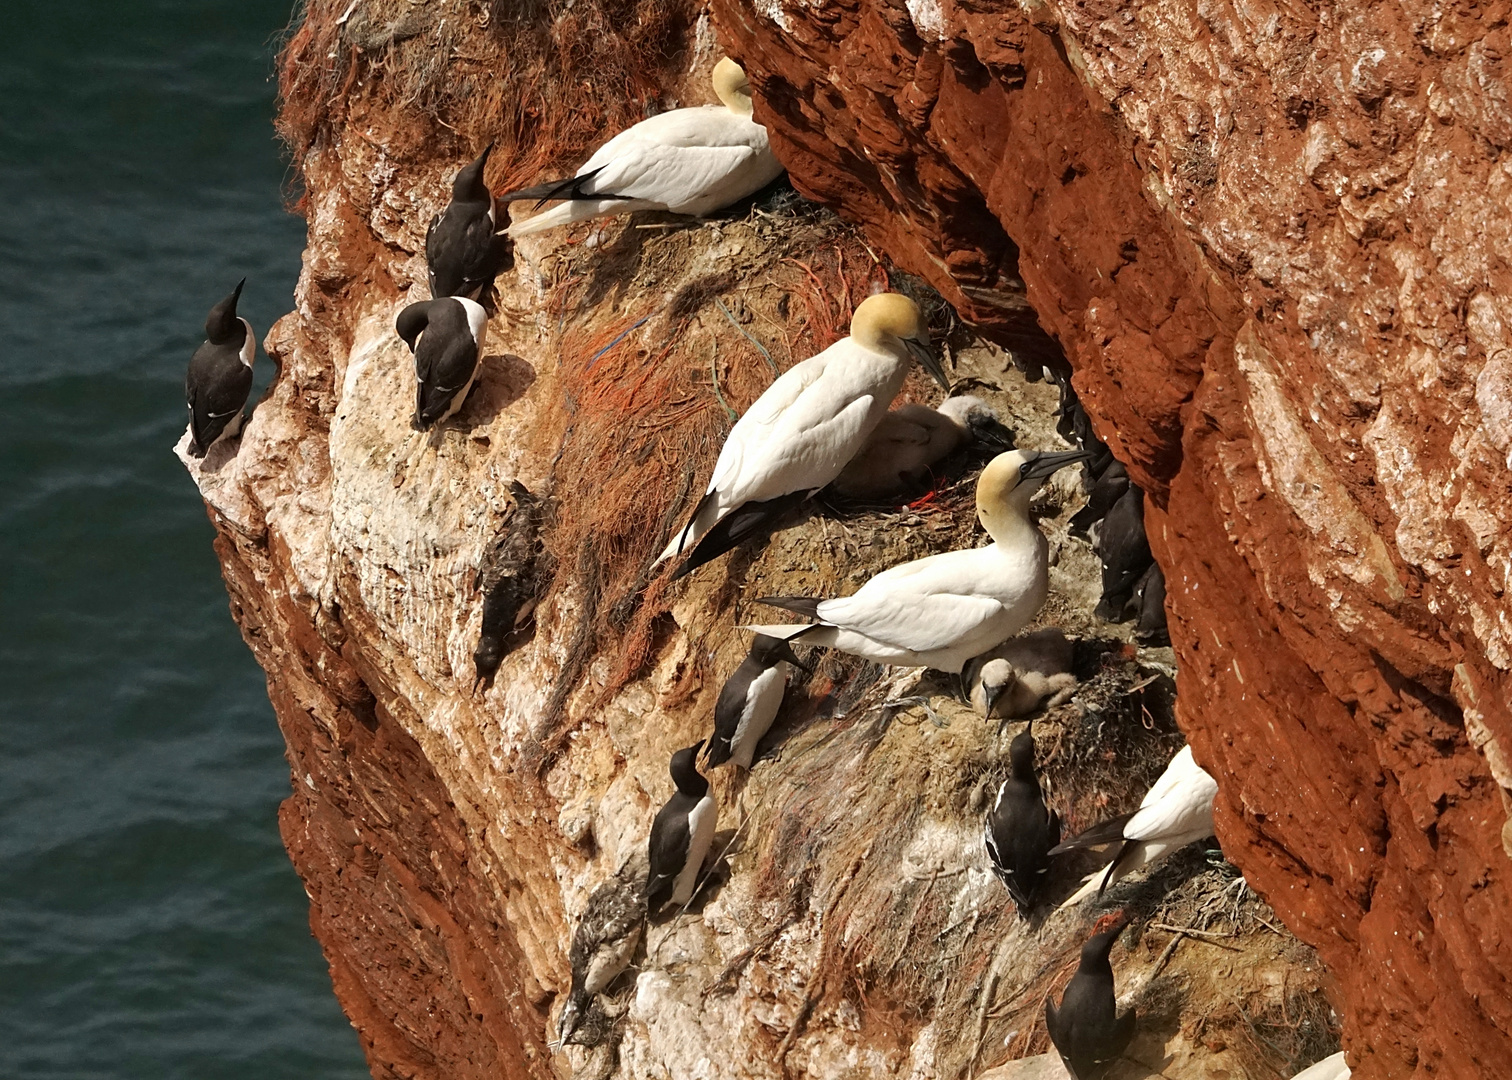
(1087, 1029)
(942, 610)
(446, 336)
(689, 161)
(220, 376)
(1177, 810)
(1020, 828)
(749, 701)
(463, 249)
(803, 430)
(680, 835)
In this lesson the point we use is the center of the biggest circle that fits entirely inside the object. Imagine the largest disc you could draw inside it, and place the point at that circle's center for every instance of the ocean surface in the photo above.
(150, 922)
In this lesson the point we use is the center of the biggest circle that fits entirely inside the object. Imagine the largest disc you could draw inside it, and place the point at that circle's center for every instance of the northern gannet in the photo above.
(797, 436)
(220, 376)
(1173, 813)
(1087, 1029)
(680, 835)
(463, 251)
(1013, 679)
(446, 336)
(749, 701)
(911, 439)
(689, 161)
(1020, 829)
(1332, 1067)
(942, 610)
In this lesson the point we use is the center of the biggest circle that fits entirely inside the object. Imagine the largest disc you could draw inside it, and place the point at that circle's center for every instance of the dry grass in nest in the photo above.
(455, 74)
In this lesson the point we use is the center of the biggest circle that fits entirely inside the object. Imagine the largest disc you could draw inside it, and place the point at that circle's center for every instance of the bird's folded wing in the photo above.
(668, 175)
(801, 452)
(1188, 811)
(753, 431)
(910, 619)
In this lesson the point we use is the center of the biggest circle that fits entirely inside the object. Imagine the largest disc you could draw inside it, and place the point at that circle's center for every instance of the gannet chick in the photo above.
(942, 610)
(1012, 680)
(446, 336)
(680, 835)
(1333, 1067)
(1020, 830)
(603, 943)
(1106, 490)
(749, 701)
(1173, 813)
(911, 440)
(1151, 593)
(689, 161)
(1087, 1029)
(1125, 553)
(797, 436)
(220, 376)
(463, 252)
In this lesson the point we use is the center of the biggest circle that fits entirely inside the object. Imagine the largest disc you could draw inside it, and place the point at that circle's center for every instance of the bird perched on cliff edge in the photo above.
(220, 376)
(511, 576)
(680, 835)
(1107, 489)
(463, 250)
(749, 701)
(689, 161)
(797, 436)
(1020, 829)
(604, 941)
(1086, 1029)
(1177, 810)
(912, 439)
(446, 336)
(942, 610)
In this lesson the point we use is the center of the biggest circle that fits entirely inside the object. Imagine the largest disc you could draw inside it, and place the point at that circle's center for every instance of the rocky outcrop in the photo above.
(1263, 240)
(1269, 239)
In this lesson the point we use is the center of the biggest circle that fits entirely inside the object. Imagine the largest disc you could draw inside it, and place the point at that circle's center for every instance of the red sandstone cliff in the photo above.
(1266, 238)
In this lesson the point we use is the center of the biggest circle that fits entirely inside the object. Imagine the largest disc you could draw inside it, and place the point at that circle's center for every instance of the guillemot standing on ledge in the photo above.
(463, 249)
(446, 337)
(1020, 828)
(220, 376)
(749, 701)
(680, 835)
(1087, 1030)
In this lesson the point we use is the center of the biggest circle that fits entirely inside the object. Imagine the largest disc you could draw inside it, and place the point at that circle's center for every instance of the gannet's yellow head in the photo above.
(894, 316)
(732, 87)
(1010, 479)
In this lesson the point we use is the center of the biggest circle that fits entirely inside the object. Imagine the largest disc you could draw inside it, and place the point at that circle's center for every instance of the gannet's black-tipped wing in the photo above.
(581, 186)
(735, 528)
(1106, 832)
(799, 605)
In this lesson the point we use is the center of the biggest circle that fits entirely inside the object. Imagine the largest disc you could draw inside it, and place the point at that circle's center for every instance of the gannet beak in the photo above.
(992, 433)
(921, 352)
(1042, 465)
(990, 695)
(786, 652)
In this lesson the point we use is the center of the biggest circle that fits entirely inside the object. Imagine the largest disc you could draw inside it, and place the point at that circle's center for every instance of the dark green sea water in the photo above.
(150, 923)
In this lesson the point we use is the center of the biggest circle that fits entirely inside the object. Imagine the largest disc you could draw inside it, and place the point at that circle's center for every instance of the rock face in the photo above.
(1263, 237)
(1271, 241)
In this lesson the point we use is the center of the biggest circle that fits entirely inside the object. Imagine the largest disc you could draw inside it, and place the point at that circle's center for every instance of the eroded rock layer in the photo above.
(1271, 240)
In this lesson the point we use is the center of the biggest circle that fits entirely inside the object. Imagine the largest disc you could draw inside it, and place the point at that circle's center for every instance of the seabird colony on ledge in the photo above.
(823, 424)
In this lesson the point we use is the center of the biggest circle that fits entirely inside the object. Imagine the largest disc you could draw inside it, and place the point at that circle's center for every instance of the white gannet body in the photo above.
(911, 439)
(797, 436)
(689, 161)
(1332, 1067)
(942, 610)
(1177, 810)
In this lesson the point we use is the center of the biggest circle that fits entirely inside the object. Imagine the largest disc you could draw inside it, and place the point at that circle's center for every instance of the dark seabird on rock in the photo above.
(1125, 553)
(1087, 1029)
(1106, 491)
(749, 701)
(512, 575)
(220, 376)
(1021, 829)
(1152, 629)
(463, 249)
(603, 943)
(680, 835)
(446, 337)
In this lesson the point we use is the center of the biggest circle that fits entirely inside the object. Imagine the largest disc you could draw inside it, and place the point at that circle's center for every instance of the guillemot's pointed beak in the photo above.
(1042, 465)
(919, 349)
